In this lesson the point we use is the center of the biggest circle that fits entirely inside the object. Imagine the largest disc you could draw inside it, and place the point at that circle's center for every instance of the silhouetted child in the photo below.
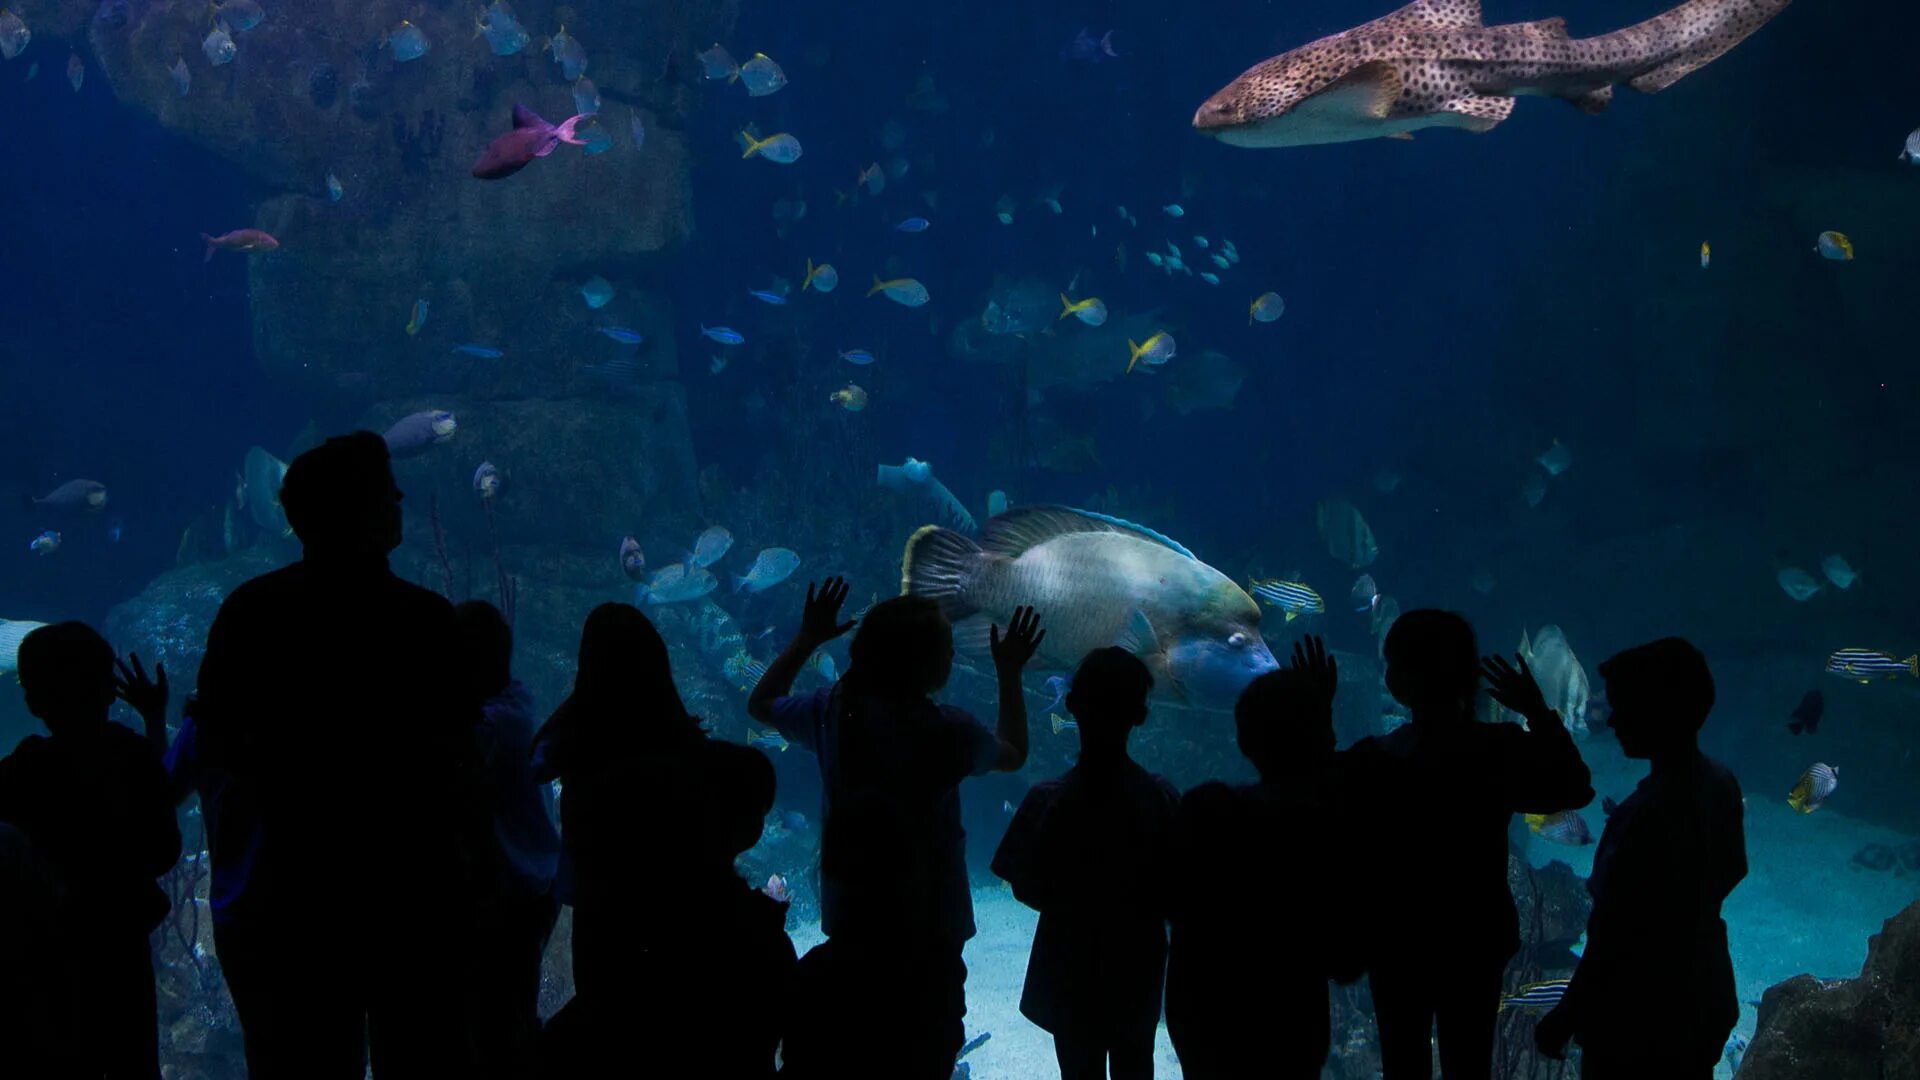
(94, 800)
(1654, 992)
(1091, 851)
(1260, 918)
(519, 913)
(721, 935)
(34, 1030)
(1438, 795)
(886, 994)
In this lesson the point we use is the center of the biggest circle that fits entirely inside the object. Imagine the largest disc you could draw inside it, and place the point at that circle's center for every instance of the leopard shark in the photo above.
(1434, 63)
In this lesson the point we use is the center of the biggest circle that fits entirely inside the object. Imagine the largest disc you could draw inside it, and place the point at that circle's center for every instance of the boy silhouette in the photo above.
(1253, 949)
(1091, 852)
(1670, 854)
(93, 799)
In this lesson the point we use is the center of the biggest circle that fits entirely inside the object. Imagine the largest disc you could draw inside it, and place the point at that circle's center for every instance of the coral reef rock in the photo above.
(1864, 1028)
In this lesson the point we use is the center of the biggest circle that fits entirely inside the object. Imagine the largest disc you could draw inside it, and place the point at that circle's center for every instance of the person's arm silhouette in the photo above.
(1010, 655)
(148, 696)
(1542, 771)
(819, 624)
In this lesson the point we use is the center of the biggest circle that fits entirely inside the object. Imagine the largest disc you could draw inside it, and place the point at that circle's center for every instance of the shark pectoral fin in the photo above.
(1594, 102)
(1478, 113)
(1369, 90)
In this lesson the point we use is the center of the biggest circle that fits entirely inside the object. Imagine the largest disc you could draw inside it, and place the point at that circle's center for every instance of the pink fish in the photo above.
(530, 138)
(776, 888)
(244, 241)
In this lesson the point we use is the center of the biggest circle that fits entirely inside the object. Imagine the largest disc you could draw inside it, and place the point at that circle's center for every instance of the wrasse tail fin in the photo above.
(939, 563)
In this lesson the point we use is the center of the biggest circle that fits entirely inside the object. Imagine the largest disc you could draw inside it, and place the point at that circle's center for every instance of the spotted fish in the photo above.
(1434, 63)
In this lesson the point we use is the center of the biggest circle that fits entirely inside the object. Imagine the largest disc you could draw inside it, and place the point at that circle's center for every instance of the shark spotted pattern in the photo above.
(1434, 64)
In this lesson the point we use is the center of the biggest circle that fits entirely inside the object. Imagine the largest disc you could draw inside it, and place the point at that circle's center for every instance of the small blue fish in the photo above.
(725, 335)
(334, 190)
(504, 34)
(596, 292)
(568, 53)
(407, 42)
(45, 544)
(484, 352)
(766, 297)
(1174, 210)
(860, 357)
(913, 225)
(417, 318)
(621, 334)
(1061, 724)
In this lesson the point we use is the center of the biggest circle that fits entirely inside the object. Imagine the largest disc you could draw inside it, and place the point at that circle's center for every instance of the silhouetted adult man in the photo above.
(331, 700)
(1654, 992)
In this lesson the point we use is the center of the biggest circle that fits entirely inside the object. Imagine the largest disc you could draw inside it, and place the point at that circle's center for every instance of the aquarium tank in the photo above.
(689, 303)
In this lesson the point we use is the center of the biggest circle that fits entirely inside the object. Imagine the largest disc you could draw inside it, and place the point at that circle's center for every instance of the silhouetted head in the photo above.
(1108, 696)
(1433, 662)
(1280, 722)
(903, 648)
(738, 793)
(66, 673)
(340, 497)
(1658, 695)
(486, 647)
(623, 660)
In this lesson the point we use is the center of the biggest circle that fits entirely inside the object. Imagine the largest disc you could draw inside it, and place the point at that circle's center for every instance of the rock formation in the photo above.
(1863, 1028)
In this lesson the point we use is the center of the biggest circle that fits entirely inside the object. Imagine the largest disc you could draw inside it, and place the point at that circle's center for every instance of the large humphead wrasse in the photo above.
(1098, 581)
(1434, 64)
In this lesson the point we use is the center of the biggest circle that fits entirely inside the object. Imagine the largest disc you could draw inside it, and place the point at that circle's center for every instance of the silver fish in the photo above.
(1097, 581)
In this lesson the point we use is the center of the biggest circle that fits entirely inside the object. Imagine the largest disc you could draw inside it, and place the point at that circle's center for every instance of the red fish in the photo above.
(244, 241)
(530, 138)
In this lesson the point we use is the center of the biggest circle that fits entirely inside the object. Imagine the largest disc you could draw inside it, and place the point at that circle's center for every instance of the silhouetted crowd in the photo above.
(387, 866)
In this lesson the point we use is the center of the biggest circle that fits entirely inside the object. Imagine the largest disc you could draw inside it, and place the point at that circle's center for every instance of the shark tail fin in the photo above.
(1697, 33)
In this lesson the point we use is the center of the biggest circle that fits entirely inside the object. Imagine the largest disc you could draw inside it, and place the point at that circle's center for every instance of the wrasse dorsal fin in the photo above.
(1430, 15)
(524, 117)
(1025, 527)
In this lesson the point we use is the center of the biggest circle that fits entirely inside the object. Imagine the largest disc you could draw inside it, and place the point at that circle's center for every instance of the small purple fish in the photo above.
(530, 138)
(1085, 47)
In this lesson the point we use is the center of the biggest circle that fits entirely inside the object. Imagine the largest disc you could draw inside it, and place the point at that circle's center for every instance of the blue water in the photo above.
(1453, 305)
